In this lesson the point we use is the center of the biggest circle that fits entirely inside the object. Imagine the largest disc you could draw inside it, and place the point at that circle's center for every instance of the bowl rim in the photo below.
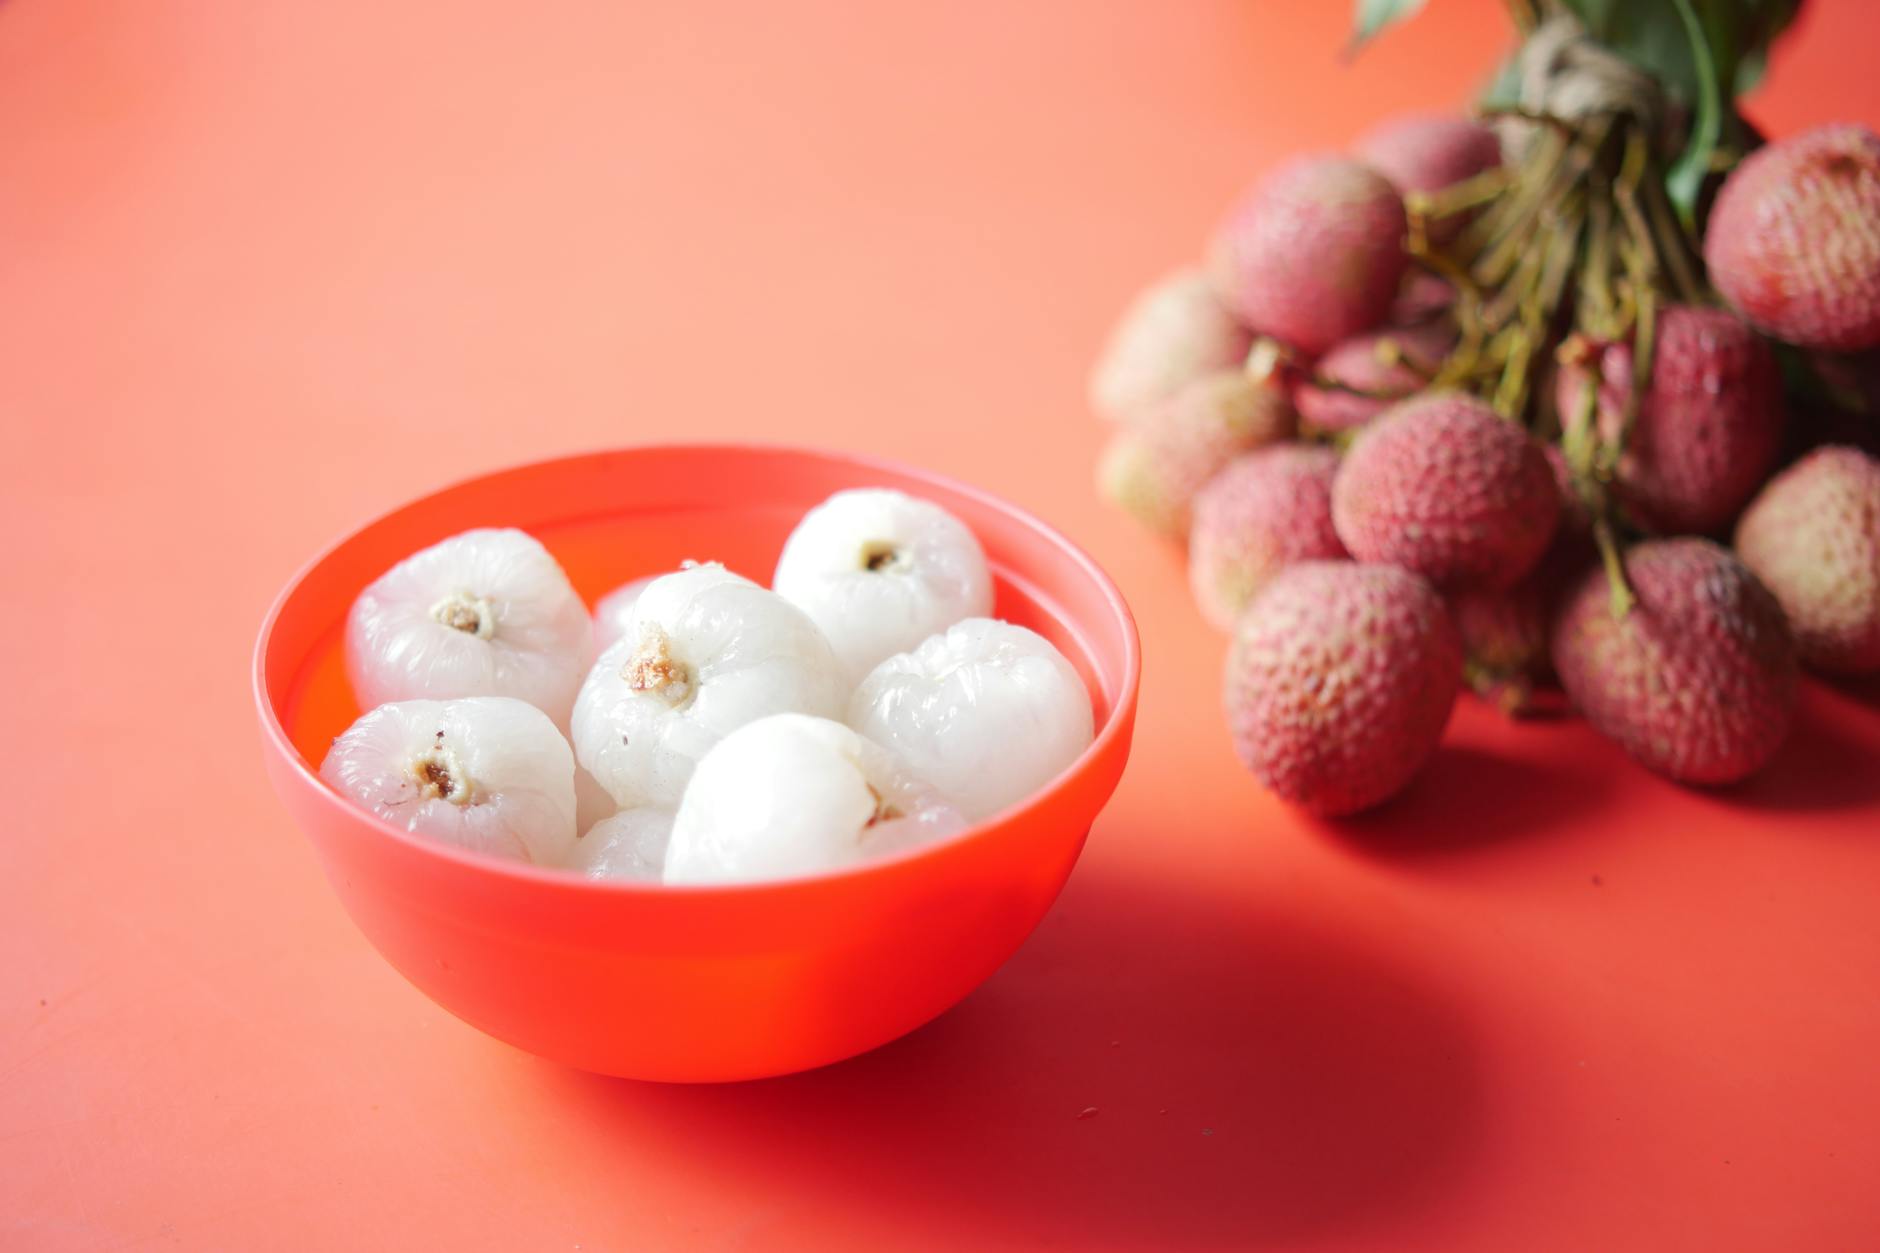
(1118, 723)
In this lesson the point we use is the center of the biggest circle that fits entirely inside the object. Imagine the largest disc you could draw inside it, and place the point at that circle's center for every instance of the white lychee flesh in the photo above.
(793, 795)
(614, 610)
(705, 651)
(879, 571)
(486, 773)
(629, 845)
(985, 711)
(484, 613)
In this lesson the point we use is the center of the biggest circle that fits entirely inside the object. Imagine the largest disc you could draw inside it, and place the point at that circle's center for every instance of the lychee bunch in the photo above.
(1364, 375)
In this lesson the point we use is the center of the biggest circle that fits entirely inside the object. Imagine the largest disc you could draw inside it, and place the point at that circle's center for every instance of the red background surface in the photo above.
(267, 269)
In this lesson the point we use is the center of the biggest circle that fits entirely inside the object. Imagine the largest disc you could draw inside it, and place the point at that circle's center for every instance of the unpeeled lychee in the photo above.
(1154, 466)
(1813, 537)
(1442, 486)
(1709, 425)
(1173, 333)
(1364, 375)
(1313, 253)
(1698, 679)
(1793, 240)
(1340, 682)
(1504, 642)
(1265, 511)
(1421, 153)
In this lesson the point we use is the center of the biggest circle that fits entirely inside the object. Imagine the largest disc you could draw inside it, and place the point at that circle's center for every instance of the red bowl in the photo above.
(692, 983)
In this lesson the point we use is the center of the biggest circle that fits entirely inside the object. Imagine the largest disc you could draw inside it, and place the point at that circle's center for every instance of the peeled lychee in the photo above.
(1312, 254)
(1265, 511)
(1154, 465)
(1793, 241)
(793, 795)
(629, 845)
(986, 711)
(1698, 679)
(1709, 425)
(1442, 486)
(1366, 374)
(1340, 682)
(705, 652)
(1428, 153)
(879, 571)
(484, 613)
(1813, 538)
(487, 773)
(1172, 334)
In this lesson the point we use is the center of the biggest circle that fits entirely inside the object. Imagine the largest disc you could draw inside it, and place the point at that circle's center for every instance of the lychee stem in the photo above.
(1621, 590)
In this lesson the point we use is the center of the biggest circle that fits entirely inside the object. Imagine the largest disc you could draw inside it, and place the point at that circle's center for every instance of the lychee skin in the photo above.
(1267, 510)
(1339, 683)
(1427, 152)
(1442, 486)
(1793, 240)
(1153, 467)
(1813, 537)
(1313, 253)
(1173, 333)
(1504, 642)
(1368, 380)
(1698, 681)
(1709, 426)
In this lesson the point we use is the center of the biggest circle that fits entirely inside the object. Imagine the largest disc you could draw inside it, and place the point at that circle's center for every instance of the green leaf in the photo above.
(1372, 16)
(1686, 177)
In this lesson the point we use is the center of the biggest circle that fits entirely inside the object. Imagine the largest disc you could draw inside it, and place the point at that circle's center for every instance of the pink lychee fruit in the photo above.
(1155, 464)
(1813, 537)
(1172, 333)
(1313, 253)
(1268, 509)
(1708, 428)
(1420, 297)
(1698, 679)
(1366, 374)
(1793, 240)
(1504, 644)
(1443, 486)
(1340, 681)
(1422, 153)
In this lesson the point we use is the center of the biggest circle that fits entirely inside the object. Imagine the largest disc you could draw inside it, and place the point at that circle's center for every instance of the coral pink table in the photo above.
(266, 269)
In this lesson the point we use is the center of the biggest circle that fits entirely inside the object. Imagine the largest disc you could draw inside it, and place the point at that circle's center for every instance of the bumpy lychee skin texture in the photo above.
(1504, 644)
(1366, 374)
(1813, 537)
(1173, 333)
(1709, 425)
(1313, 253)
(1154, 466)
(1340, 681)
(1442, 486)
(1794, 238)
(1698, 681)
(1264, 512)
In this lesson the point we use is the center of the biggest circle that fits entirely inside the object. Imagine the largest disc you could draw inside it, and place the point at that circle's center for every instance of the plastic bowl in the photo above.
(692, 984)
